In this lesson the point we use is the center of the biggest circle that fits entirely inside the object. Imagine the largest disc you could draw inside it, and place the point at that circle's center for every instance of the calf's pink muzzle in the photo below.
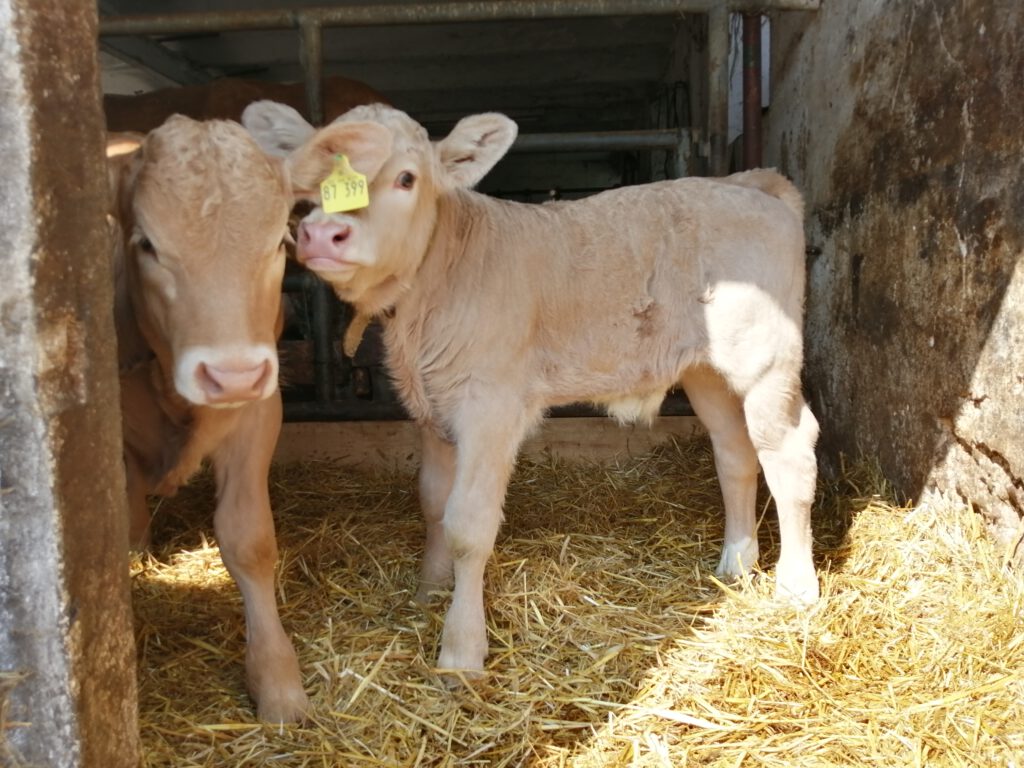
(322, 245)
(226, 376)
(233, 383)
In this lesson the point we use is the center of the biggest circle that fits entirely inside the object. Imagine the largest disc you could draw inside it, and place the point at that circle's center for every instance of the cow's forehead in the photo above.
(408, 136)
(200, 175)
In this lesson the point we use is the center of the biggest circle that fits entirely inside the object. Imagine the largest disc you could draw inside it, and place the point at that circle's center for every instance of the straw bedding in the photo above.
(611, 643)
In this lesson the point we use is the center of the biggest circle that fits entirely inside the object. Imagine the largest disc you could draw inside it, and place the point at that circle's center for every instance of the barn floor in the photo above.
(611, 644)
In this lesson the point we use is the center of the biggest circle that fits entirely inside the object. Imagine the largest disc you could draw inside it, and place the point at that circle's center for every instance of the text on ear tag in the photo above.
(345, 189)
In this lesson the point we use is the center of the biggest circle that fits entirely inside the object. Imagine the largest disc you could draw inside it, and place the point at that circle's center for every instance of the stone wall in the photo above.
(903, 123)
(67, 660)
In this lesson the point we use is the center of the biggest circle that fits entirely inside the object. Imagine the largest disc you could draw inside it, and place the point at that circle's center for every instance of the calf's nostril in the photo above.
(207, 381)
(341, 235)
(261, 380)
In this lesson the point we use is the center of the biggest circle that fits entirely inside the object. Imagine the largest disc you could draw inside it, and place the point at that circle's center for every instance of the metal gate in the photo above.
(320, 382)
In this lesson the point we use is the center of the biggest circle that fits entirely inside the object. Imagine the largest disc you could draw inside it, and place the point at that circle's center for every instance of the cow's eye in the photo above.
(405, 180)
(146, 246)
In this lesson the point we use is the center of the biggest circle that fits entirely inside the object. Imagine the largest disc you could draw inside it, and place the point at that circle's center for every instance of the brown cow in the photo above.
(200, 214)
(496, 311)
(225, 99)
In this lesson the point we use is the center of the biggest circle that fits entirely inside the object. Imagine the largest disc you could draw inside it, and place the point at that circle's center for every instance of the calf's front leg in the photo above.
(437, 472)
(245, 531)
(138, 507)
(487, 440)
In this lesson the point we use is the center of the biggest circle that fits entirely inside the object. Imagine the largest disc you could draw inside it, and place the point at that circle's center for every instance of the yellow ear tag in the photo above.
(345, 189)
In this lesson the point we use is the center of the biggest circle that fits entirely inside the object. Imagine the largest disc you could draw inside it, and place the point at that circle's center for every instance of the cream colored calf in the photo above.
(496, 311)
(201, 215)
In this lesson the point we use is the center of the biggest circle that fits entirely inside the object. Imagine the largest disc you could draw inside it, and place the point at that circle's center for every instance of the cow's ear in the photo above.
(277, 128)
(473, 147)
(366, 145)
(124, 156)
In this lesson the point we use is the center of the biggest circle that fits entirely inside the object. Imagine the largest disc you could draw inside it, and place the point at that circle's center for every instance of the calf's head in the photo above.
(366, 251)
(204, 213)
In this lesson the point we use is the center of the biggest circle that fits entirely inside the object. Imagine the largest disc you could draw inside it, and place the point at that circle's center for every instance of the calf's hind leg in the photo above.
(783, 431)
(721, 413)
(245, 531)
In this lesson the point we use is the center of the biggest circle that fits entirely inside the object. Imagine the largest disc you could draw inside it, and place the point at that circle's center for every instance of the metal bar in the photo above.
(323, 341)
(681, 155)
(718, 91)
(157, 58)
(752, 90)
(312, 57)
(324, 353)
(607, 140)
(426, 13)
(344, 410)
(300, 281)
(369, 410)
(152, 55)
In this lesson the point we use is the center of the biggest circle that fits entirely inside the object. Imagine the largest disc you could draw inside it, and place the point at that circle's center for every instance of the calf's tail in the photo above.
(771, 183)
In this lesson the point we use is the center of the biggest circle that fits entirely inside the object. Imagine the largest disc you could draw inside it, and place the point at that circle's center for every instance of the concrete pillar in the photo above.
(67, 657)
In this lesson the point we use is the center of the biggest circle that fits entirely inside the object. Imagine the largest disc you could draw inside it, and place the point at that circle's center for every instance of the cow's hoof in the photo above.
(798, 586)
(463, 668)
(139, 542)
(460, 678)
(275, 684)
(429, 593)
(286, 706)
(738, 558)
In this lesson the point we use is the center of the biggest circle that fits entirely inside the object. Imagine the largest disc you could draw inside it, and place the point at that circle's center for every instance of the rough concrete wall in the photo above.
(903, 123)
(65, 624)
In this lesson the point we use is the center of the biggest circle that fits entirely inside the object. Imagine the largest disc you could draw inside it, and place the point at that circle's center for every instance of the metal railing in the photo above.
(310, 23)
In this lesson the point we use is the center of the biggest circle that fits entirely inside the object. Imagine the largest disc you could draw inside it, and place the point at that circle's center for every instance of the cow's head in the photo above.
(204, 212)
(363, 252)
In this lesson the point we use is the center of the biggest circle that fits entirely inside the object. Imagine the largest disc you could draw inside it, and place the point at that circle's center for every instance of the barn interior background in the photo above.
(901, 123)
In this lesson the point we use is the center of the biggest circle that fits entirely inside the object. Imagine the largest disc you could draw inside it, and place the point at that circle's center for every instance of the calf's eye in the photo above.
(146, 246)
(406, 180)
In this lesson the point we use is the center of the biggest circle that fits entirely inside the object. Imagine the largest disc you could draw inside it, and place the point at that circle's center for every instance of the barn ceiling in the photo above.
(549, 75)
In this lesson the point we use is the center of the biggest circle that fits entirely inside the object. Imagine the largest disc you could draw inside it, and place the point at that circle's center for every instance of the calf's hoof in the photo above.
(275, 684)
(428, 593)
(458, 667)
(797, 585)
(459, 677)
(139, 542)
(283, 706)
(738, 558)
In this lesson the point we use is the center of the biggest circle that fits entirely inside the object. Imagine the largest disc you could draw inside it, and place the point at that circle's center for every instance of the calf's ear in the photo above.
(366, 145)
(473, 147)
(277, 128)
(124, 154)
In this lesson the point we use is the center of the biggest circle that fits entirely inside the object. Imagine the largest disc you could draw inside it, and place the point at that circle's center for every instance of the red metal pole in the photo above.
(751, 90)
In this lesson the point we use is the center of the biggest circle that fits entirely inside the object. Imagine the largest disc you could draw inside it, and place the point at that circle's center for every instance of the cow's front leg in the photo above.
(138, 507)
(437, 472)
(245, 532)
(487, 439)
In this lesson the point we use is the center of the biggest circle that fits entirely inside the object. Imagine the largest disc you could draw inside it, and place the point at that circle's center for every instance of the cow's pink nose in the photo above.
(232, 384)
(324, 239)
